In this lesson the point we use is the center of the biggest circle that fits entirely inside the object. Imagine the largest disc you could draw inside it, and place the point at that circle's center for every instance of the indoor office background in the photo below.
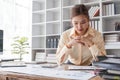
(43, 21)
(51, 17)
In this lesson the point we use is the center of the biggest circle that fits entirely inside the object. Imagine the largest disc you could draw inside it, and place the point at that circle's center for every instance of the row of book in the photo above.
(86, 1)
(51, 58)
(94, 11)
(112, 65)
(108, 9)
(111, 38)
(43, 57)
(52, 42)
(40, 56)
(95, 24)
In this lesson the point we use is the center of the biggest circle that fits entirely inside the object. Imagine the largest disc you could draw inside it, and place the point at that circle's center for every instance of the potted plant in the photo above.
(20, 46)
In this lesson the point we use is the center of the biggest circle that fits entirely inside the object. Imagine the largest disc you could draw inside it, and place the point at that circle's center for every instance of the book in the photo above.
(113, 8)
(40, 56)
(96, 13)
(94, 10)
(112, 61)
(101, 58)
(112, 38)
(117, 72)
(104, 10)
(111, 77)
(108, 66)
(113, 56)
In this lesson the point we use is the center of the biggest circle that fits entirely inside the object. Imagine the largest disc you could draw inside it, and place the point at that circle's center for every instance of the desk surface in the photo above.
(36, 72)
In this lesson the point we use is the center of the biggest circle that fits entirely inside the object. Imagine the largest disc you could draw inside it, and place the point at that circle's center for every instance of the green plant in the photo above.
(20, 46)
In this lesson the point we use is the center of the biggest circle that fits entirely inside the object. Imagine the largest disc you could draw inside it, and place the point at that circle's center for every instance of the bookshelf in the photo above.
(46, 27)
(51, 17)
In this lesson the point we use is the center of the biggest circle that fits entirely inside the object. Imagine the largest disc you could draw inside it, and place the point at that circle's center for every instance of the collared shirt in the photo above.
(80, 54)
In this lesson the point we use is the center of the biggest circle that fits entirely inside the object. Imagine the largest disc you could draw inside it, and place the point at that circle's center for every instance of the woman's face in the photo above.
(80, 24)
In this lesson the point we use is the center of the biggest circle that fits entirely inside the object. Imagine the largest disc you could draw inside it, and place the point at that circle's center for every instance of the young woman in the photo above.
(81, 44)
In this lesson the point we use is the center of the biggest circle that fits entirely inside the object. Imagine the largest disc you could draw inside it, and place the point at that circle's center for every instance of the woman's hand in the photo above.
(81, 40)
(87, 41)
(75, 41)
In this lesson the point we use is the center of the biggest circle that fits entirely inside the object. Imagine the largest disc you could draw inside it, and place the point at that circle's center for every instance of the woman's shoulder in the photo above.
(67, 32)
(96, 32)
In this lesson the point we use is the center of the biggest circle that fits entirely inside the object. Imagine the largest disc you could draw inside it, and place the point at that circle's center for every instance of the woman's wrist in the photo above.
(91, 44)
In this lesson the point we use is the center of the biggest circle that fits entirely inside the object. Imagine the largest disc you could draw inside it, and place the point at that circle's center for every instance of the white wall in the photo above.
(15, 19)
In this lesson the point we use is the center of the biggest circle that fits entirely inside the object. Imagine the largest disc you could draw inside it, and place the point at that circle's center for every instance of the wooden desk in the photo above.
(7, 74)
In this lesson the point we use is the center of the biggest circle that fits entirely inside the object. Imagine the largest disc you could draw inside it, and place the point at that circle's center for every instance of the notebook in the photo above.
(112, 61)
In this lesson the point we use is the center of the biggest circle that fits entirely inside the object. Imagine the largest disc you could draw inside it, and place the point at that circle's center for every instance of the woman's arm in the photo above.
(98, 49)
(95, 44)
(63, 51)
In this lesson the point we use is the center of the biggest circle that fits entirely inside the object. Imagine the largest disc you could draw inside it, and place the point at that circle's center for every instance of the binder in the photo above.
(111, 77)
(110, 62)
(109, 66)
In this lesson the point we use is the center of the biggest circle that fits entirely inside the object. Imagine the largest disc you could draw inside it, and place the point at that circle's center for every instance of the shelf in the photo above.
(51, 48)
(67, 20)
(53, 9)
(113, 45)
(53, 28)
(109, 1)
(57, 21)
(66, 12)
(110, 9)
(38, 11)
(69, 2)
(38, 5)
(38, 42)
(53, 15)
(53, 35)
(38, 48)
(37, 18)
(38, 29)
(52, 4)
(42, 23)
(109, 32)
(109, 24)
(37, 36)
(92, 3)
(111, 16)
(95, 18)
(68, 6)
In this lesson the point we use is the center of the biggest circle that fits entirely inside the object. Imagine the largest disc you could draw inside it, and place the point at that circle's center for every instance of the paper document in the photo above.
(50, 72)
(13, 64)
(72, 67)
(49, 65)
